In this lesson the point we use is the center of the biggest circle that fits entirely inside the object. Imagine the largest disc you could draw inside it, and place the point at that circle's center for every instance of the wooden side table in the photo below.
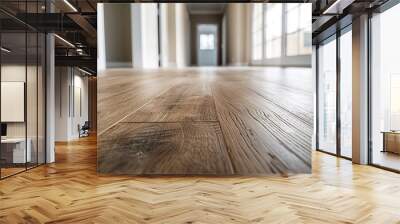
(391, 141)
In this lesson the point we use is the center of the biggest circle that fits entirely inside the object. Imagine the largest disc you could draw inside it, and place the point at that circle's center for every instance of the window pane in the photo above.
(346, 94)
(273, 48)
(292, 20)
(207, 42)
(327, 97)
(257, 52)
(257, 31)
(305, 16)
(292, 44)
(305, 42)
(273, 20)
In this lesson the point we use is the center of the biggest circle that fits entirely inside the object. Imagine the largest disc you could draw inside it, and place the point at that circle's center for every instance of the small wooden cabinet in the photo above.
(391, 141)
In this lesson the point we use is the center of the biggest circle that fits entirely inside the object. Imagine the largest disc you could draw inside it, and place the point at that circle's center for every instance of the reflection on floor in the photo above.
(213, 121)
(10, 171)
(70, 191)
(386, 159)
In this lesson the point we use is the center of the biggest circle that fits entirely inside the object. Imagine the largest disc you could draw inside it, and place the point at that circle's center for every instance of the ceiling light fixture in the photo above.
(84, 71)
(64, 40)
(70, 5)
(337, 7)
(5, 50)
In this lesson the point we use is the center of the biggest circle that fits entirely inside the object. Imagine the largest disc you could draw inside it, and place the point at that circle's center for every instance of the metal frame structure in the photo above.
(36, 32)
(339, 32)
(337, 29)
(389, 4)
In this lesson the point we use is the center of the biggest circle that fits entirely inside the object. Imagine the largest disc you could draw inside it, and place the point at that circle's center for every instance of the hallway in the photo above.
(205, 121)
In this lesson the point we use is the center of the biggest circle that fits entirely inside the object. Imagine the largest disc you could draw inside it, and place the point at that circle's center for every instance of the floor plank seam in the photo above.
(167, 122)
(119, 121)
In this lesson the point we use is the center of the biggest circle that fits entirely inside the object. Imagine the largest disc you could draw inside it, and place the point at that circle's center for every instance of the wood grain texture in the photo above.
(164, 148)
(264, 124)
(121, 92)
(71, 191)
(185, 102)
(265, 114)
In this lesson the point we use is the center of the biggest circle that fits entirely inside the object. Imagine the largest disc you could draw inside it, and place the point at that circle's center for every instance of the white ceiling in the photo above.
(206, 8)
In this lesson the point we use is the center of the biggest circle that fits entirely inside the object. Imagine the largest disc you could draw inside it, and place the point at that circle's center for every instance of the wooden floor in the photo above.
(213, 121)
(71, 191)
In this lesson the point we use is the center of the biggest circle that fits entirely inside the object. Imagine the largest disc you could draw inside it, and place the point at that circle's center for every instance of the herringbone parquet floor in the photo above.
(70, 191)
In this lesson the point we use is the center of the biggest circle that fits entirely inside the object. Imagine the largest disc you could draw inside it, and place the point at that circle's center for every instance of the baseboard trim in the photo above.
(119, 65)
(238, 64)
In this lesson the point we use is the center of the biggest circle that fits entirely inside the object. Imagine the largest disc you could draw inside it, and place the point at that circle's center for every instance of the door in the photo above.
(207, 36)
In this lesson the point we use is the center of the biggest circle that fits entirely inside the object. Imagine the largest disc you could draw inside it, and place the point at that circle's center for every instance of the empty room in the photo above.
(198, 98)
(122, 111)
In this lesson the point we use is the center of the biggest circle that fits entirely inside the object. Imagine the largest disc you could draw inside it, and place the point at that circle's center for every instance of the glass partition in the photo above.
(327, 96)
(13, 109)
(22, 88)
(41, 96)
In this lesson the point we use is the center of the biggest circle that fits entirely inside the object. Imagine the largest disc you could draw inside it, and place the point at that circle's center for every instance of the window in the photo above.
(280, 30)
(346, 94)
(385, 89)
(327, 97)
(273, 30)
(394, 101)
(257, 31)
(298, 29)
(207, 42)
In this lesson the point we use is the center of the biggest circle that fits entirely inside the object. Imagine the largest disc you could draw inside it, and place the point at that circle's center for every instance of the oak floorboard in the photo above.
(265, 115)
(266, 127)
(122, 92)
(188, 148)
(184, 102)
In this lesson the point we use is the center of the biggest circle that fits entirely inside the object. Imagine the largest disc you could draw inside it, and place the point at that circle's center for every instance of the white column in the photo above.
(101, 43)
(50, 99)
(144, 26)
(360, 90)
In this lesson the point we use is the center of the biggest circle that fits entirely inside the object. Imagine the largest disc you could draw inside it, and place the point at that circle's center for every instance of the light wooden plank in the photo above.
(184, 148)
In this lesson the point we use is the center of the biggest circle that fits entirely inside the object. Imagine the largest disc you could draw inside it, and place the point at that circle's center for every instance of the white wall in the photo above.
(12, 73)
(144, 21)
(150, 35)
(237, 29)
(175, 35)
(182, 35)
(67, 116)
(62, 98)
(34, 124)
(117, 34)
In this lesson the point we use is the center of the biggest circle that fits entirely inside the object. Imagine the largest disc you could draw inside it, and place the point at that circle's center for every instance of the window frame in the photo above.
(300, 60)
